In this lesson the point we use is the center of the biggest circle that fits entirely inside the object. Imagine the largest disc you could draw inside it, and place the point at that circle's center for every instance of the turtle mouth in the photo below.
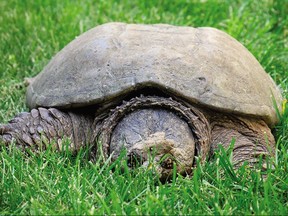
(155, 148)
(170, 131)
(158, 153)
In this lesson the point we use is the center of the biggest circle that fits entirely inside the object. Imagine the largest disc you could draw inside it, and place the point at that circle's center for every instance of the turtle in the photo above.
(170, 93)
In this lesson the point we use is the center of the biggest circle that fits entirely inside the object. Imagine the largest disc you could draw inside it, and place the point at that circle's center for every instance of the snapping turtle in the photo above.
(175, 92)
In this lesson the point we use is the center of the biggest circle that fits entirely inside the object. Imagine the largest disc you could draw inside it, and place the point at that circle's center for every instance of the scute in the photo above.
(202, 65)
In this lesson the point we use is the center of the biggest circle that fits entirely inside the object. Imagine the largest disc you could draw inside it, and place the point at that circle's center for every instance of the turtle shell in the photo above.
(201, 65)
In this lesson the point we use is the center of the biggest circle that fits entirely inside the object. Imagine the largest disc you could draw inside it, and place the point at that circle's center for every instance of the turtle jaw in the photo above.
(162, 155)
(152, 151)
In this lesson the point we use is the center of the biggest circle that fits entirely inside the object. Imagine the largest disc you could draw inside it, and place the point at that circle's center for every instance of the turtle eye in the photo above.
(167, 161)
(134, 160)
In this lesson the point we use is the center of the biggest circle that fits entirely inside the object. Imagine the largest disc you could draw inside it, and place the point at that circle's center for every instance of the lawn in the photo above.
(32, 31)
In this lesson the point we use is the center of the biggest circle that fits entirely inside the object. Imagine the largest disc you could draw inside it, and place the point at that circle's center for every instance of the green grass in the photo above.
(31, 32)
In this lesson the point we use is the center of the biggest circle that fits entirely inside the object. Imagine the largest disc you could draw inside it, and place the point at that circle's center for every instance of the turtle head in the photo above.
(156, 132)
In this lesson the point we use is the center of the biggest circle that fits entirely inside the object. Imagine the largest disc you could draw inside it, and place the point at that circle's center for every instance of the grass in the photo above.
(58, 183)
(31, 32)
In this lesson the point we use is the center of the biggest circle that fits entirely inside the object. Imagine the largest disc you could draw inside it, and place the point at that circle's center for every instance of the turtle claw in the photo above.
(4, 135)
(6, 138)
(3, 129)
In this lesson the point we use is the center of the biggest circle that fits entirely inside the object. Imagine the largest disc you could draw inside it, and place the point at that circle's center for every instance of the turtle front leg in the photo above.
(253, 139)
(40, 126)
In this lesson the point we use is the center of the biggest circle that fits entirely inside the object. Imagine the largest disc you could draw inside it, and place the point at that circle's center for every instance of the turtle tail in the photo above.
(42, 127)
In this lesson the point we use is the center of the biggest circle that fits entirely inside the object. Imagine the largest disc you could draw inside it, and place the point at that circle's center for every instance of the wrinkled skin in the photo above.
(172, 132)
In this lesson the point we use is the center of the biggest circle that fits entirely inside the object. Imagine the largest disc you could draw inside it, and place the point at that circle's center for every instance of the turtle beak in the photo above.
(160, 162)
(157, 153)
(162, 166)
